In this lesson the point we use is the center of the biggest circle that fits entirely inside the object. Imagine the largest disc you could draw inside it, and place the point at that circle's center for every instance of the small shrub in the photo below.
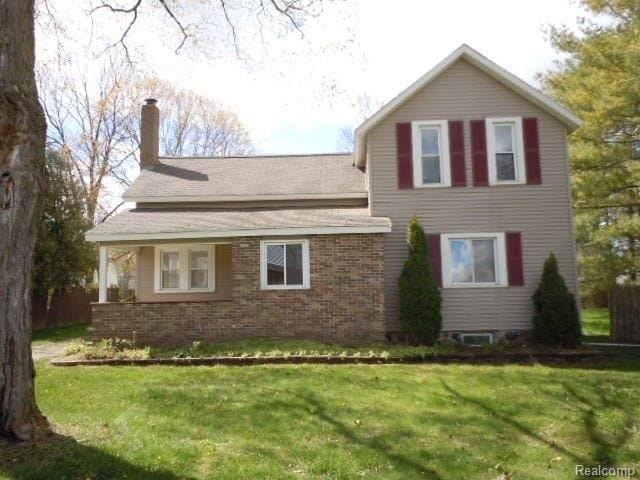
(556, 321)
(420, 299)
(77, 348)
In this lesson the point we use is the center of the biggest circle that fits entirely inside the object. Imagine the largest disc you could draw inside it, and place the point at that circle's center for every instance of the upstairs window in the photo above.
(284, 264)
(505, 151)
(431, 164)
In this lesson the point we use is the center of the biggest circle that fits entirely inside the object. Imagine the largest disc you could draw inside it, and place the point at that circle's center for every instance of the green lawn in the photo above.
(62, 334)
(319, 421)
(595, 323)
(313, 421)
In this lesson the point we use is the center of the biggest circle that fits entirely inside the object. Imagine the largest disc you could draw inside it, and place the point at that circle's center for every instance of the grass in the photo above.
(595, 324)
(313, 421)
(318, 421)
(62, 334)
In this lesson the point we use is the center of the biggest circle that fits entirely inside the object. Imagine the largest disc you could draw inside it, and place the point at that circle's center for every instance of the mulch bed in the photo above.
(551, 356)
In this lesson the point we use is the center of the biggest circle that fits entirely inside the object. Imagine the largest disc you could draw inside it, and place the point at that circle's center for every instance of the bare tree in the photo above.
(94, 124)
(364, 106)
(210, 22)
(193, 125)
(346, 139)
(22, 177)
(88, 122)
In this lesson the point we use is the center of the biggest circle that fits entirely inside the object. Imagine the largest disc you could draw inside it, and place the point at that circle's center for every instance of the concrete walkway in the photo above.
(49, 350)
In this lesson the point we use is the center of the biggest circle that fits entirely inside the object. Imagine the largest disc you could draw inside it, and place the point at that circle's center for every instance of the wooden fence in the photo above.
(69, 307)
(624, 307)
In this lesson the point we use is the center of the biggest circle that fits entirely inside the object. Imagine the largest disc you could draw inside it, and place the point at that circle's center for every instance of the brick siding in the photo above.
(344, 304)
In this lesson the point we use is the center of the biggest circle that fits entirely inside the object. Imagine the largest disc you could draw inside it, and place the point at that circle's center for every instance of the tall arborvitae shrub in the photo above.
(420, 300)
(556, 321)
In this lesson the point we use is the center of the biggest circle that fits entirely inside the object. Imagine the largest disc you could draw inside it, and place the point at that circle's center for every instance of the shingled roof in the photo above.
(256, 177)
(163, 223)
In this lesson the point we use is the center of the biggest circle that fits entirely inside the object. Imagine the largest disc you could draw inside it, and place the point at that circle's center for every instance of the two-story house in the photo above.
(312, 246)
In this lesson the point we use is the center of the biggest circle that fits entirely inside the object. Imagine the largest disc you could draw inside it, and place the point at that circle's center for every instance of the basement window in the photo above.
(476, 339)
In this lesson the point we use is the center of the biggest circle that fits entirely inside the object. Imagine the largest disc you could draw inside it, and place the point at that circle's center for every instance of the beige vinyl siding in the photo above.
(145, 279)
(540, 212)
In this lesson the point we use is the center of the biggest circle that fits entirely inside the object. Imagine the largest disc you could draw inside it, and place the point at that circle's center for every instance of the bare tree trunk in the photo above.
(22, 176)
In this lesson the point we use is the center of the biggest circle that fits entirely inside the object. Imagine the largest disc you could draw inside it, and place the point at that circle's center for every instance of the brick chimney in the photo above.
(149, 134)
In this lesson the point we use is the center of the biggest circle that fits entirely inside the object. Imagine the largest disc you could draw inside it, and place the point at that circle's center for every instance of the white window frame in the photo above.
(519, 161)
(306, 282)
(184, 255)
(500, 256)
(445, 158)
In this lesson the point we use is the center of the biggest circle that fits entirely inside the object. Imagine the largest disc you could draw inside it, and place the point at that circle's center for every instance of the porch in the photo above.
(343, 302)
(308, 274)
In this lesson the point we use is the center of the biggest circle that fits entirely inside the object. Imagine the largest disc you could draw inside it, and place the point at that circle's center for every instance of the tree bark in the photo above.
(22, 172)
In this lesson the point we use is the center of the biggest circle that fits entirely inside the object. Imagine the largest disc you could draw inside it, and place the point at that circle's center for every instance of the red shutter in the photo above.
(433, 239)
(405, 161)
(479, 153)
(514, 258)
(456, 151)
(531, 150)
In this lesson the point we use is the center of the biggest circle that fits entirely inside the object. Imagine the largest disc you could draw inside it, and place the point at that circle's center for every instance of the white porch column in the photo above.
(102, 275)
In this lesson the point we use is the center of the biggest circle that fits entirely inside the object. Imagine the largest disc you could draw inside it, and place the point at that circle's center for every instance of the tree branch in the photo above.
(185, 34)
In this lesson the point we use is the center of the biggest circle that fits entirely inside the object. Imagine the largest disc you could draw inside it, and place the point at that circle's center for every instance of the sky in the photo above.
(294, 94)
(298, 102)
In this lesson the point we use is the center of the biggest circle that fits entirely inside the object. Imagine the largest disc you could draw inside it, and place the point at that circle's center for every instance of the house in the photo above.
(311, 246)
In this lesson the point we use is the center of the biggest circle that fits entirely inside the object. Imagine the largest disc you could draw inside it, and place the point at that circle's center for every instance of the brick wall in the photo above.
(344, 304)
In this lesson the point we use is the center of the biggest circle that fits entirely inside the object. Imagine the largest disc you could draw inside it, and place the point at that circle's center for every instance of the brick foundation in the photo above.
(344, 304)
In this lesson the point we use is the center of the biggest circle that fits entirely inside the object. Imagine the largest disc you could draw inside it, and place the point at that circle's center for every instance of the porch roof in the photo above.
(166, 224)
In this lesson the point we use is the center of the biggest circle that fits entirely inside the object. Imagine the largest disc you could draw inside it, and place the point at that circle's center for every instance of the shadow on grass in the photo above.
(62, 457)
(377, 444)
(490, 410)
(606, 445)
(607, 440)
(280, 419)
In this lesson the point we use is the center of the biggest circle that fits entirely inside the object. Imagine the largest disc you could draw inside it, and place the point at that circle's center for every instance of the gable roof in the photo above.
(212, 179)
(566, 116)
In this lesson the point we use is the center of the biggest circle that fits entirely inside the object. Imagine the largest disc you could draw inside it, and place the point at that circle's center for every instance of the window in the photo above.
(199, 269)
(184, 268)
(170, 270)
(431, 154)
(284, 264)
(476, 339)
(474, 260)
(506, 151)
